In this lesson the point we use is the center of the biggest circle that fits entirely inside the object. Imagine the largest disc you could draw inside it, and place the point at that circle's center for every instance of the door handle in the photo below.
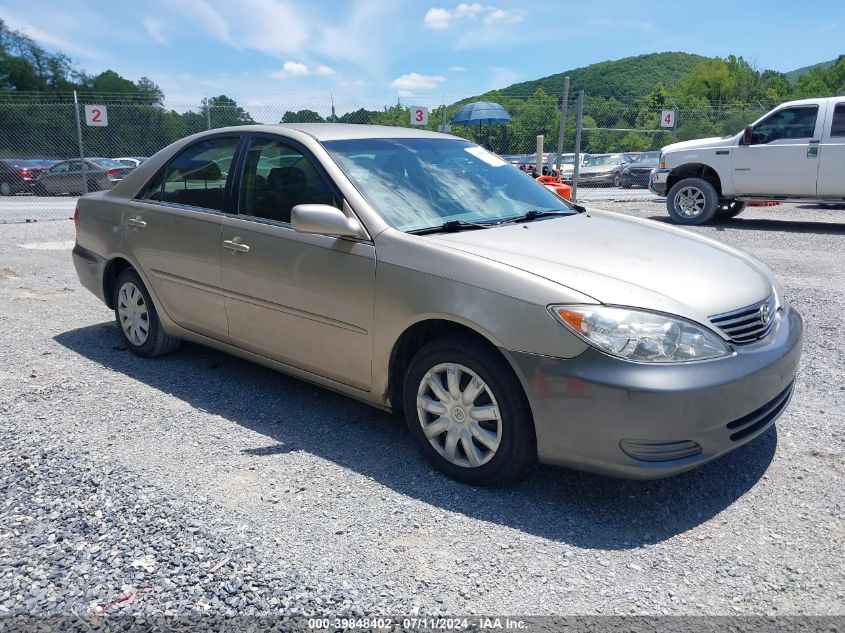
(237, 247)
(137, 222)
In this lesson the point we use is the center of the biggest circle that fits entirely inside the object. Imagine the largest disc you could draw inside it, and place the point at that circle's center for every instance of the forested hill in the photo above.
(794, 75)
(624, 79)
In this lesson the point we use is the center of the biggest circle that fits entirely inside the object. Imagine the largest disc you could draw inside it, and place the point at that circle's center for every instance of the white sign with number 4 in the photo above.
(419, 116)
(96, 115)
(667, 118)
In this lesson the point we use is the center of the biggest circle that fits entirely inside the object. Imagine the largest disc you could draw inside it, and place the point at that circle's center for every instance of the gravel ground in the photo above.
(124, 477)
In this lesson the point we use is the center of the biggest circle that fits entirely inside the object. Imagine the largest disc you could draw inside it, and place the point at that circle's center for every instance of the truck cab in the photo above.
(796, 152)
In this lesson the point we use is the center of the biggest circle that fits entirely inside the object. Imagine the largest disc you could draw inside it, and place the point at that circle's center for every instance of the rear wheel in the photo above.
(6, 189)
(730, 209)
(468, 414)
(692, 201)
(137, 319)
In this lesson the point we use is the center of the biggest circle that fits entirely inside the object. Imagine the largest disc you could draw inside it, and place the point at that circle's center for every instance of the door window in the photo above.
(197, 176)
(276, 178)
(790, 123)
(838, 128)
(60, 168)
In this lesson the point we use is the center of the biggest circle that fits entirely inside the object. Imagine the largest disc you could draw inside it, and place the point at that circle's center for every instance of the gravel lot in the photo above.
(199, 483)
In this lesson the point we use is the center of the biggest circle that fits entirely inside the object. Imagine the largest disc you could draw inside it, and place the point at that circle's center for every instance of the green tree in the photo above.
(302, 116)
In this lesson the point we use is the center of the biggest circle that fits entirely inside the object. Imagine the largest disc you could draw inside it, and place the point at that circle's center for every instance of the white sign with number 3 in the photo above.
(96, 115)
(667, 118)
(419, 116)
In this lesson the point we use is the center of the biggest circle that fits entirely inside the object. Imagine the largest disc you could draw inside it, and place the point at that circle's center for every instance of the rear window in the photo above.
(838, 127)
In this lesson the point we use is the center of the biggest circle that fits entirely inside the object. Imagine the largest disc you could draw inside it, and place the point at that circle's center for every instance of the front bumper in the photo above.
(657, 182)
(587, 408)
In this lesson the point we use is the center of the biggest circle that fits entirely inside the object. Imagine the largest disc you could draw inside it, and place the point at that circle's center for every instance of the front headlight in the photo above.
(637, 335)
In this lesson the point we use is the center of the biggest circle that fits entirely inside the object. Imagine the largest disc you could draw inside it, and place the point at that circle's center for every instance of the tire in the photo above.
(509, 447)
(134, 312)
(626, 183)
(6, 189)
(730, 209)
(692, 201)
(617, 179)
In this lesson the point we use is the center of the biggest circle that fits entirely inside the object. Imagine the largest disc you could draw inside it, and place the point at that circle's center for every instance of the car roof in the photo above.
(343, 131)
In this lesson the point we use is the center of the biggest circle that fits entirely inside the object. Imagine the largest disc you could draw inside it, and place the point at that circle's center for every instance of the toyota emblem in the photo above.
(764, 313)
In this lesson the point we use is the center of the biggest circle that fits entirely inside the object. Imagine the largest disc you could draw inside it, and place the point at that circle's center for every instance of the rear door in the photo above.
(173, 231)
(303, 300)
(783, 157)
(56, 179)
(832, 155)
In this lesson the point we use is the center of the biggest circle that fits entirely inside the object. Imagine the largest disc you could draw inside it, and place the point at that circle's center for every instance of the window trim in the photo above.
(293, 144)
(808, 106)
(227, 190)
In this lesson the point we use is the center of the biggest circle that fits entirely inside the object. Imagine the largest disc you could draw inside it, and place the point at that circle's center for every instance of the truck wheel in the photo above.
(692, 201)
(731, 209)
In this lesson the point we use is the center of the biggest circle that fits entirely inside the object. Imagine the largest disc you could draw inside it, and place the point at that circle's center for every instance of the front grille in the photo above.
(756, 420)
(749, 324)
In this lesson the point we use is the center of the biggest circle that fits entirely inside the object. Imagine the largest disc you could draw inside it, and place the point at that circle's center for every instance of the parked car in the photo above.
(795, 152)
(19, 175)
(638, 171)
(420, 273)
(67, 177)
(599, 169)
(131, 161)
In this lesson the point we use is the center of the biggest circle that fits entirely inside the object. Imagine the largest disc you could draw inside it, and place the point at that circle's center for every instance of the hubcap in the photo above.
(690, 202)
(132, 310)
(459, 415)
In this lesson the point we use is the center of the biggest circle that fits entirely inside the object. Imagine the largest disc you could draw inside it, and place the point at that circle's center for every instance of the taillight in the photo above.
(76, 218)
(24, 174)
(111, 173)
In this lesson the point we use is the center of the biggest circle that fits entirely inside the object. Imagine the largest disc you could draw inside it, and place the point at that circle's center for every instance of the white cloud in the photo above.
(298, 69)
(440, 19)
(407, 84)
(502, 77)
(456, 69)
(155, 28)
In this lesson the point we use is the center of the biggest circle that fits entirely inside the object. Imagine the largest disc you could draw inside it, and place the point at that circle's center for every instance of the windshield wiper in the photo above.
(452, 226)
(534, 214)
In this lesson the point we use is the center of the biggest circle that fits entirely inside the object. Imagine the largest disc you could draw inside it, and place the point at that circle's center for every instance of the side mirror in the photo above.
(748, 135)
(324, 219)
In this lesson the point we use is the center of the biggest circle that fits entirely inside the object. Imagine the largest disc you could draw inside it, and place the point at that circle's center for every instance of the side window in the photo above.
(790, 123)
(153, 189)
(60, 168)
(197, 176)
(838, 127)
(278, 177)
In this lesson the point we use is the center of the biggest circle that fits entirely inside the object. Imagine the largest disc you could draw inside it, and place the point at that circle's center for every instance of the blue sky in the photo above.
(371, 52)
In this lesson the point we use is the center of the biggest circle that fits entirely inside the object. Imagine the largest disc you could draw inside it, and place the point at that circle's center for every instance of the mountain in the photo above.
(793, 75)
(623, 79)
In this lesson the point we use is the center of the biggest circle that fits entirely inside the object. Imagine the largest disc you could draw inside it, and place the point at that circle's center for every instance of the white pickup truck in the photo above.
(796, 152)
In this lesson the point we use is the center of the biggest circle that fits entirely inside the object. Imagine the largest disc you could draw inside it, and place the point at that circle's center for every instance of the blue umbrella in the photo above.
(481, 113)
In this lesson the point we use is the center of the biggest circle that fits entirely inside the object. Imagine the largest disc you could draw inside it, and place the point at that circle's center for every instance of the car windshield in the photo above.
(107, 163)
(598, 161)
(648, 157)
(419, 183)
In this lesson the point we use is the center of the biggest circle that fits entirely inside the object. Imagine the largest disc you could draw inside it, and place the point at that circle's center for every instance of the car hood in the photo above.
(715, 141)
(619, 260)
(598, 169)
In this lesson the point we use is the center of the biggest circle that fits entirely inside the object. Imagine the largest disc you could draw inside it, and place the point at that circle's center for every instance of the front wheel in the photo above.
(137, 318)
(692, 201)
(730, 209)
(468, 413)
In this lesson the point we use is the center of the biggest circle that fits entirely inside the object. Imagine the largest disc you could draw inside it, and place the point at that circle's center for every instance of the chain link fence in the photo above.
(41, 153)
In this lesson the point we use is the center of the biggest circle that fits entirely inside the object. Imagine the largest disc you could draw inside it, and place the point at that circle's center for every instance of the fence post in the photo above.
(81, 149)
(564, 112)
(539, 160)
(576, 168)
(208, 112)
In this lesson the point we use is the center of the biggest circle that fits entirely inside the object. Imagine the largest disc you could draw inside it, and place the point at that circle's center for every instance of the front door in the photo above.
(173, 231)
(303, 300)
(783, 157)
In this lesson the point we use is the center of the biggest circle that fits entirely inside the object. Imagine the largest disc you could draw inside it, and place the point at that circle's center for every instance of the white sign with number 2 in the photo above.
(96, 115)
(419, 116)
(667, 118)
